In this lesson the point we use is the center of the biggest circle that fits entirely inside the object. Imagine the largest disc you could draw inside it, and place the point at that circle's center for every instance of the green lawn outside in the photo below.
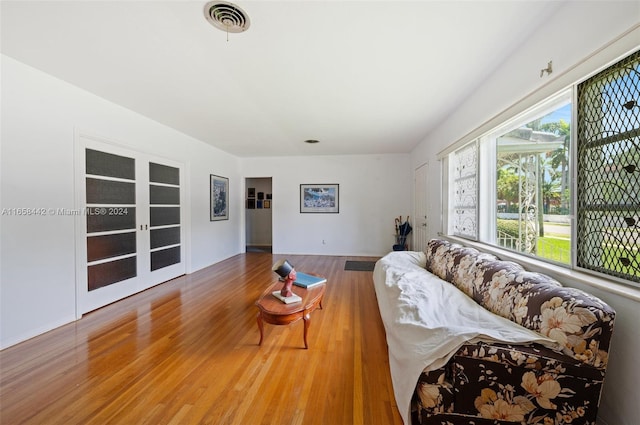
(621, 260)
(556, 246)
(555, 249)
(615, 259)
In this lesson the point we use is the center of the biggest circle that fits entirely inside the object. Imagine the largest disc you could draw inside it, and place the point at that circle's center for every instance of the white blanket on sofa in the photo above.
(427, 320)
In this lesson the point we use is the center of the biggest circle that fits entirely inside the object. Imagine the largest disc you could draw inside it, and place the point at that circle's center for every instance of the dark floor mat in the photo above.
(360, 266)
(258, 248)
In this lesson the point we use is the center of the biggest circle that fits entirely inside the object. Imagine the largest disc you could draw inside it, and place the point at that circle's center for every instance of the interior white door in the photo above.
(129, 233)
(421, 196)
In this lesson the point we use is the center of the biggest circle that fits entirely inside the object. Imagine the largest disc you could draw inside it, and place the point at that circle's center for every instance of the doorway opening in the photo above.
(259, 207)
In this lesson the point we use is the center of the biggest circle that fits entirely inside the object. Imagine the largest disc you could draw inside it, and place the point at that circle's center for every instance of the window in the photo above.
(521, 187)
(608, 211)
(465, 191)
(532, 192)
(521, 195)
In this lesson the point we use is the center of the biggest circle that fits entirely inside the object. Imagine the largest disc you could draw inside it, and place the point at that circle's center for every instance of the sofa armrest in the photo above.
(530, 356)
(526, 383)
(433, 394)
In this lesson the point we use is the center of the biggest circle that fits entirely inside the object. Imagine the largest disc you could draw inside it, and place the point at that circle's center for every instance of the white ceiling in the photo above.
(363, 77)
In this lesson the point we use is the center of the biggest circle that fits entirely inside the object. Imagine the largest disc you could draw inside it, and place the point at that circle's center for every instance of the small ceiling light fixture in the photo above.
(226, 17)
(311, 141)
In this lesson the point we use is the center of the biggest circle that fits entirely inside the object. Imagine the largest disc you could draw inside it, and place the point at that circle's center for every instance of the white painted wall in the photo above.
(575, 46)
(373, 190)
(39, 116)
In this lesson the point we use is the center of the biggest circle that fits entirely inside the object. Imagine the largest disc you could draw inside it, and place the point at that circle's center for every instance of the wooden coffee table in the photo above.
(275, 312)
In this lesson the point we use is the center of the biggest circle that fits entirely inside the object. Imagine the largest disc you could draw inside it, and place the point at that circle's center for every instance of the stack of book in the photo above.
(307, 281)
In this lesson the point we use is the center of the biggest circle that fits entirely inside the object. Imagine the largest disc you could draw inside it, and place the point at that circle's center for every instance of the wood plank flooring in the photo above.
(186, 352)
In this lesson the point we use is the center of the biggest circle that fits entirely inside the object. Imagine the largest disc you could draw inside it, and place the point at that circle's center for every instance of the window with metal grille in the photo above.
(465, 191)
(608, 176)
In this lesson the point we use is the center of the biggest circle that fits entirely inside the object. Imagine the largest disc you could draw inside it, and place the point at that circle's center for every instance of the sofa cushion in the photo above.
(467, 264)
(439, 257)
(453, 262)
(581, 323)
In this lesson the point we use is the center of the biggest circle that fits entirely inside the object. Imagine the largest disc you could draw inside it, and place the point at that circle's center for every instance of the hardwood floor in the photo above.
(186, 352)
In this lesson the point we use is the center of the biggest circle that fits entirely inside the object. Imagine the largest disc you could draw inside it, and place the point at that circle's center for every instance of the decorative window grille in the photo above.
(608, 177)
(465, 191)
(525, 160)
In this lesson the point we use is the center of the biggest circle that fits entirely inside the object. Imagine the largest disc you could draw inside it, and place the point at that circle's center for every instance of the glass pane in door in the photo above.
(164, 215)
(111, 218)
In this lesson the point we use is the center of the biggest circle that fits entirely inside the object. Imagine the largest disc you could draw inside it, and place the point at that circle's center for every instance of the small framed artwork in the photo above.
(268, 196)
(251, 204)
(251, 192)
(219, 198)
(266, 204)
(259, 203)
(260, 195)
(319, 198)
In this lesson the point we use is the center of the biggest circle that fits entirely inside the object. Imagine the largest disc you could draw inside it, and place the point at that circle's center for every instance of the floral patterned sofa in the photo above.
(526, 383)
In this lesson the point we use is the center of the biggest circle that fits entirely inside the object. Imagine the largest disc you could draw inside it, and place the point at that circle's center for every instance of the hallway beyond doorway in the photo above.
(258, 214)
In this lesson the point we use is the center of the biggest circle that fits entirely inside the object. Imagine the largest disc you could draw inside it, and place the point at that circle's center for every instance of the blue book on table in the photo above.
(308, 281)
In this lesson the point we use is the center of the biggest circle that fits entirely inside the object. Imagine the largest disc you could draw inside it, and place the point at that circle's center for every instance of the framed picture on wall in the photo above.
(267, 204)
(251, 192)
(251, 204)
(219, 197)
(319, 198)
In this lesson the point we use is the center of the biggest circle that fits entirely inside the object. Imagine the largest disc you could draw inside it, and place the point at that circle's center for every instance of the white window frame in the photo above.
(487, 159)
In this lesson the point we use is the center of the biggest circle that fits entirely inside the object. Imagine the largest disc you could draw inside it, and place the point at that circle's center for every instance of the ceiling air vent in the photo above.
(226, 16)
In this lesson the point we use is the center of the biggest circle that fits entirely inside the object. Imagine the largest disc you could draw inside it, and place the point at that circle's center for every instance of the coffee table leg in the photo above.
(260, 327)
(307, 320)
